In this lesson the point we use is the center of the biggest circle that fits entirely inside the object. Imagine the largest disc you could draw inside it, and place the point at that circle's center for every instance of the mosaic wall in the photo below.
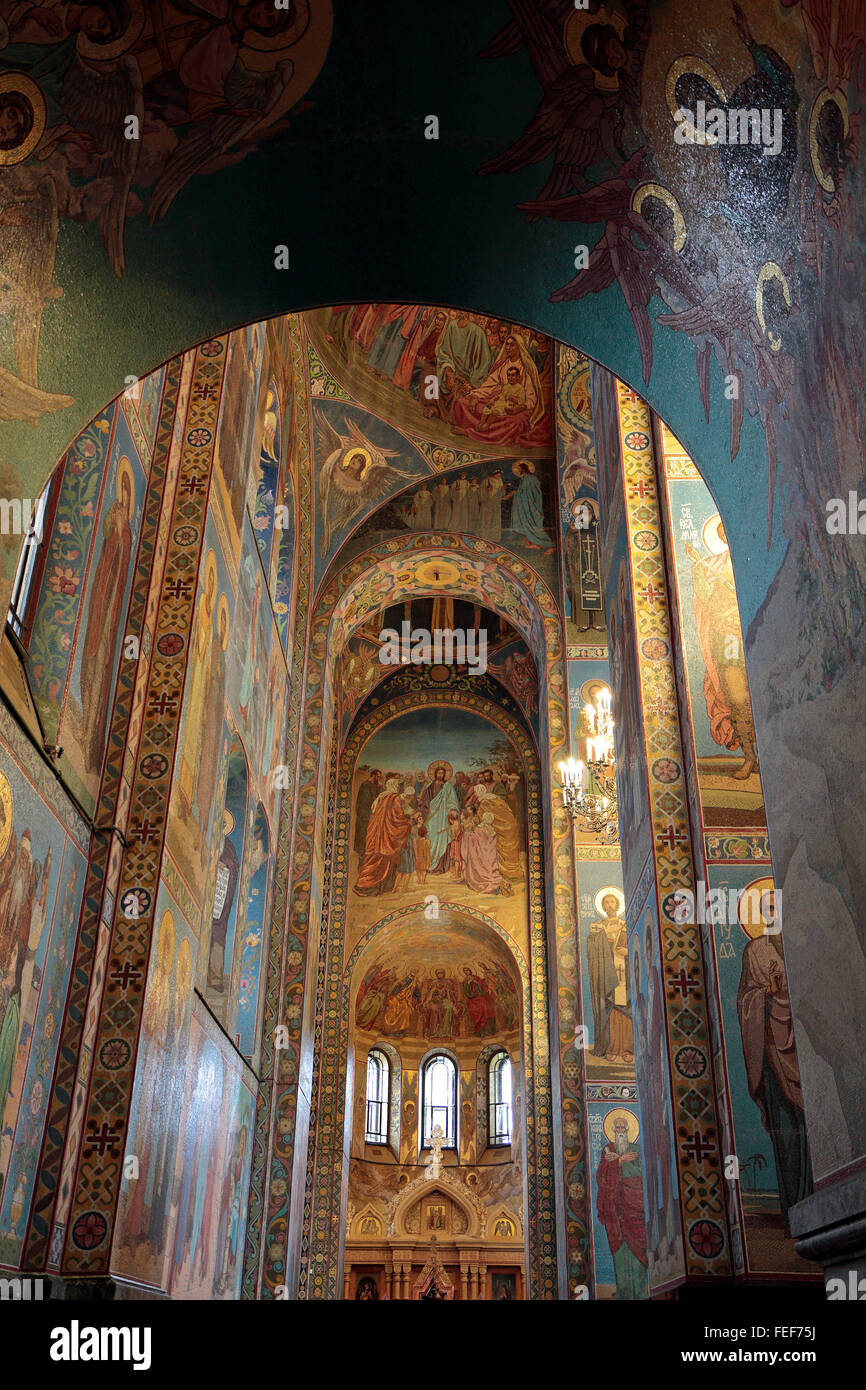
(43, 862)
(168, 1139)
(761, 1090)
(75, 643)
(279, 1072)
(685, 1193)
(766, 297)
(415, 567)
(516, 920)
(210, 906)
(607, 1012)
(455, 983)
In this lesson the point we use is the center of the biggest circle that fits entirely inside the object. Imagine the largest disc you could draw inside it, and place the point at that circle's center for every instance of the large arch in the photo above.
(319, 1272)
(765, 289)
(503, 583)
(123, 311)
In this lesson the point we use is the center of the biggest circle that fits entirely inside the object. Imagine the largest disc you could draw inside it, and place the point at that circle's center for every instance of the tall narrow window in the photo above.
(31, 562)
(499, 1119)
(439, 1100)
(378, 1097)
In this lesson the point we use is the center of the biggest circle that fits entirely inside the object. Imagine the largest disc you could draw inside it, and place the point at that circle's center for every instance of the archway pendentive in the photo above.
(492, 682)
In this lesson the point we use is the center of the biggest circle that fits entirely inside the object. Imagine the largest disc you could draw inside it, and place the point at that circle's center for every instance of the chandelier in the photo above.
(589, 789)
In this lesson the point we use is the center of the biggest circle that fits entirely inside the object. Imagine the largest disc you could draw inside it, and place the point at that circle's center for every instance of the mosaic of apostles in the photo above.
(476, 1000)
(444, 373)
(438, 826)
(438, 813)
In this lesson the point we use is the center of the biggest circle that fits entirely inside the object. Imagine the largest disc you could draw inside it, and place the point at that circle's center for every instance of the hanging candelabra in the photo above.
(589, 788)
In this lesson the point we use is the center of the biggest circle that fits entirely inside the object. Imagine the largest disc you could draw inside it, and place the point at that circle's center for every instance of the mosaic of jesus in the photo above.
(439, 807)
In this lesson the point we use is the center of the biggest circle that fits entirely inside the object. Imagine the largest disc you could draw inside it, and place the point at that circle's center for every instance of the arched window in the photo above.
(439, 1100)
(499, 1104)
(378, 1097)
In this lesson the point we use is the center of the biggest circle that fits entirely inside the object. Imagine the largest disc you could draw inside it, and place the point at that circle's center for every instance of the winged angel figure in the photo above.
(355, 474)
(71, 82)
(75, 102)
(589, 66)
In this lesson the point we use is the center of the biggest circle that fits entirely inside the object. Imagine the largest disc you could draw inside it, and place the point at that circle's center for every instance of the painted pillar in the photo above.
(266, 1258)
(53, 1189)
(687, 1229)
(96, 1167)
(765, 1173)
(603, 1022)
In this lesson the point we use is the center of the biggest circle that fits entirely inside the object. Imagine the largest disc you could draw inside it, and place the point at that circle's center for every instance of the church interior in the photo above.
(431, 809)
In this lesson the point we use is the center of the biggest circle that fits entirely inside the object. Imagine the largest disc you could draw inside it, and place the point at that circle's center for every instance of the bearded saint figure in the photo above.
(620, 1209)
(583, 568)
(770, 1054)
(387, 832)
(437, 799)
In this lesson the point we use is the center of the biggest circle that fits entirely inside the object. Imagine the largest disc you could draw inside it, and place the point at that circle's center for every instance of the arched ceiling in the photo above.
(214, 225)
(442, 981)
(508, 665)
(426, 418)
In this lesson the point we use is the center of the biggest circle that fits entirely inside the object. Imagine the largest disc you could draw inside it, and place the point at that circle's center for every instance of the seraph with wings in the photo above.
(355, 474)
(28, 246)
(589, 64)
(225, 137)
(97, 101)
(643, 258)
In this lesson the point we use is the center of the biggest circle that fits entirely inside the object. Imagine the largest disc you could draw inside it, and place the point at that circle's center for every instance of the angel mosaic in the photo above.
(109, 107)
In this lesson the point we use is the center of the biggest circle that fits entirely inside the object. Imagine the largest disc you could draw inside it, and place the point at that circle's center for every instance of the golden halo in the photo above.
(124, 470)
(710, 535)
(525, 463)
(770, 270)
(838, 99)
(223, 607)
(351, 454)
(610, 892)
(664, 195)
(678, 67)
(591, 688)
(631, 1121)
(284, 38)
(6, 805)
(105, 52)
(308, 52)
(228, 821)
(584, 502)
(165, 943)
(32, 94)
(749, 906)
(578, 22)
(440, 762)
(210, 566)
